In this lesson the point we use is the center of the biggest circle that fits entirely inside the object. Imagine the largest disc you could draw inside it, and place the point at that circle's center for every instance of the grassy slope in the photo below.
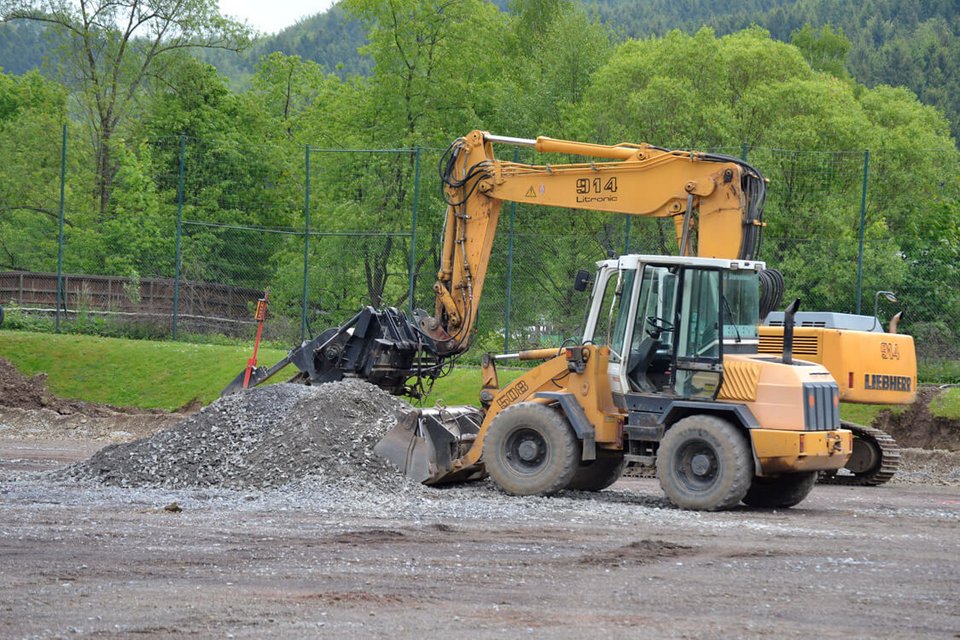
(141, 373)
(165, 375)
(947, 404)
(168, 375)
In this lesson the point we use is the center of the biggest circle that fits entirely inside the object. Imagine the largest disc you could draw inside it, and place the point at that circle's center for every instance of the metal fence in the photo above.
(331, 230)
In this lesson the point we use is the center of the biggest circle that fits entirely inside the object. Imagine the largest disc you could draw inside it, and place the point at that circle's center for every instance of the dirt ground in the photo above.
(312, 559)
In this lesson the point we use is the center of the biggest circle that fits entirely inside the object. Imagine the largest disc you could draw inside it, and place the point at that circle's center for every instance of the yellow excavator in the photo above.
(870, 365)
(667, 372)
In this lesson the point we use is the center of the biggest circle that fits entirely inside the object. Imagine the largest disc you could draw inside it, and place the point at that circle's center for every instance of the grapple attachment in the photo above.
(425, 444)
(383, 347)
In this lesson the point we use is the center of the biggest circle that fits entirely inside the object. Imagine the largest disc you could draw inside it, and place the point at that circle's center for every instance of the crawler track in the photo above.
(875, 459)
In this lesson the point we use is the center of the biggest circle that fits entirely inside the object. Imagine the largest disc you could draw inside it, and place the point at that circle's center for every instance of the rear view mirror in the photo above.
(582, 280)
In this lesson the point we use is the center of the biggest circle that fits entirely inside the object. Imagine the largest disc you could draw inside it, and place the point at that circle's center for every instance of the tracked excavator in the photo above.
(667, 372)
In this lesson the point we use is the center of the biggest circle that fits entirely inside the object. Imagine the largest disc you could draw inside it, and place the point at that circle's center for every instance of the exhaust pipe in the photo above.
(788, 321)
(895, 322)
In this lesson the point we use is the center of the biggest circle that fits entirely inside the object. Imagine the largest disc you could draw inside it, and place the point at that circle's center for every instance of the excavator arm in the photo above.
(716, 203)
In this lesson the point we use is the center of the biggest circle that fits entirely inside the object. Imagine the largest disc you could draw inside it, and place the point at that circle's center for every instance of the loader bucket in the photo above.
(425, 444)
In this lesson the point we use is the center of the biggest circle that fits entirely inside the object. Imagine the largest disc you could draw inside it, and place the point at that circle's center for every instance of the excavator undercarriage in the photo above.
(874, 460)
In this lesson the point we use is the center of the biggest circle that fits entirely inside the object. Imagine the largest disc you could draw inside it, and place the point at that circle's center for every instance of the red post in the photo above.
(260, 315)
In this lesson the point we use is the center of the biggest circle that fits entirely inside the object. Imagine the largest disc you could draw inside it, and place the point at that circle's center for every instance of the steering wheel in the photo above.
(658, 326)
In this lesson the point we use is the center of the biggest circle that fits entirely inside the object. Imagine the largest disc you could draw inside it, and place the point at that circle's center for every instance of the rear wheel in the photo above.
(530, 449)
(704, 462)
(780, 492)
(599, 474)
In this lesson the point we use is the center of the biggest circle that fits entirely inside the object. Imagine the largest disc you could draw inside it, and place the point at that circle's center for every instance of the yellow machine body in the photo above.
(870, 367)
(766, 387)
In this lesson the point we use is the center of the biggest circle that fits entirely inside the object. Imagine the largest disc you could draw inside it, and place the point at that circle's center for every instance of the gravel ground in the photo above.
(317, 560)
(264, 515)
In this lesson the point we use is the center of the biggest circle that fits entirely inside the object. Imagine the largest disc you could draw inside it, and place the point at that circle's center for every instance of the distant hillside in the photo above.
(911, 43)
(23, 46)
(330, 39)
(914, 43)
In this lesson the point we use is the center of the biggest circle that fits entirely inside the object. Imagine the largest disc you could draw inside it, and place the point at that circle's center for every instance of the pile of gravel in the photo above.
(264, 438)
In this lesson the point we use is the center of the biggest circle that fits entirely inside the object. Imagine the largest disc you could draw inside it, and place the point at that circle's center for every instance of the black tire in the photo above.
(530, 449)
(704, 463)
(600, 473)
(781, 492)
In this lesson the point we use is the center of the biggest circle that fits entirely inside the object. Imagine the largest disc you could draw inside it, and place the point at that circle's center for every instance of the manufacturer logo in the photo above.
(881, 382)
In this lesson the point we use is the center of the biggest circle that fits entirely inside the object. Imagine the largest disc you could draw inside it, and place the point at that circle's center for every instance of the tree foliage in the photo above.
(440, 68)
(110, 49)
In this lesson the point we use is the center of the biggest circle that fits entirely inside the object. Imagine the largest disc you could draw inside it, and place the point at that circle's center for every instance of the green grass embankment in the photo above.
(139, 373)
(166, 375)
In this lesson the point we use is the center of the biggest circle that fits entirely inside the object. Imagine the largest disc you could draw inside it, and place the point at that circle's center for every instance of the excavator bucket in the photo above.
(425, 444)
(257, 375)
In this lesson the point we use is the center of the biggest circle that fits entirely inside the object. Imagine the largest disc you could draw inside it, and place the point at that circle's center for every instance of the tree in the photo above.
(807, 133)
(113, 47)
(32, 113)
(825, 50)
(435, 77)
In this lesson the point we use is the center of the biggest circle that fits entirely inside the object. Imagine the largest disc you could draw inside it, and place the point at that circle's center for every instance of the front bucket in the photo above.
(425, 444)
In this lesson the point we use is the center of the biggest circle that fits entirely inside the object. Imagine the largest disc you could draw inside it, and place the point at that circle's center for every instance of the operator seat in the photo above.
(639, 362)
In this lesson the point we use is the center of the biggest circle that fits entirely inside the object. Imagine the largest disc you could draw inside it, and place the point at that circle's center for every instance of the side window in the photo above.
(618, 314)
(657, 293)
(741, 304)
(601, 328)
(700, 328)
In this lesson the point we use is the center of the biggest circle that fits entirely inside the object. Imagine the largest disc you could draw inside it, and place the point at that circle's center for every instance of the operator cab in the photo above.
(668, 321)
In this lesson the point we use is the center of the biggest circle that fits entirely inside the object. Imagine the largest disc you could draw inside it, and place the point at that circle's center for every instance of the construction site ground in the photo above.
(154, 552)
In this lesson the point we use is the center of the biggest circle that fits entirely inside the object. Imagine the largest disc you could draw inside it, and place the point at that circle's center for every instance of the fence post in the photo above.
(509, 301)
(61, 302)
(306, 242)
(863, 221)
(413, 227)
(626, 235)
(176, 269)
(743, 152)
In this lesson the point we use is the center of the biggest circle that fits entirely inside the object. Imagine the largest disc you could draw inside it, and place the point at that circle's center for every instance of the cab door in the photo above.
(699, 336)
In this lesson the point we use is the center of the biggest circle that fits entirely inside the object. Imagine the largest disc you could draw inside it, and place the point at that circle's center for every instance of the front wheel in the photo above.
(705, 463)
(781, 492)
(530, 449)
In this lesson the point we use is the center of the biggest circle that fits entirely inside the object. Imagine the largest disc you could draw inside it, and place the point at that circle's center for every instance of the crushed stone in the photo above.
(265, 438)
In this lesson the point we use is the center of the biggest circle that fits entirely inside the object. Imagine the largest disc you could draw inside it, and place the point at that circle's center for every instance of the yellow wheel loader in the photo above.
(667, 373)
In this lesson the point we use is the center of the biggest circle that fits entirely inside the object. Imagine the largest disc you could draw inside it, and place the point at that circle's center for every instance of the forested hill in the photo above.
(911, 43)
